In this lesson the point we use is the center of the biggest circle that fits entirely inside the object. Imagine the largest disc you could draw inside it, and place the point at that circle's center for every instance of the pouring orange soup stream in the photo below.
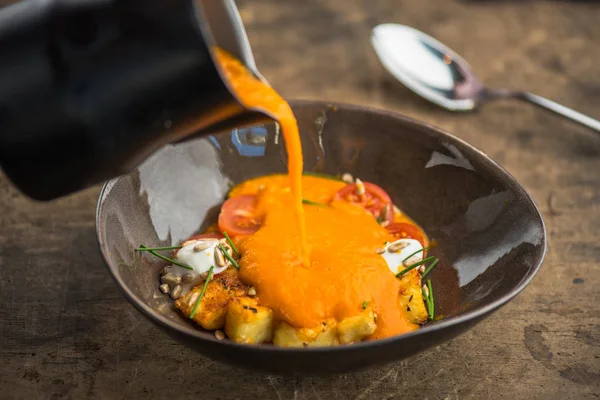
(342, 273)
(256, 95)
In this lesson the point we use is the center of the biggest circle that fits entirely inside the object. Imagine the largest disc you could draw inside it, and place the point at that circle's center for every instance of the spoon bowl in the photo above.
(432, 71)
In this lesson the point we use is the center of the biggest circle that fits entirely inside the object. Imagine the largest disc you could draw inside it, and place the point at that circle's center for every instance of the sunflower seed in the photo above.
(171, 279)
(193, 298)
(252, 291)
(164, 288)
(176, 292)
(360, 187)
(380, 251)
(202, 245)
(347, 178)
(219, 335)
(188, 278)
(396, 247)
(425, 291)
(165, 271)
(226, 245)
(422, 269)
(414, 259)
(219, 258)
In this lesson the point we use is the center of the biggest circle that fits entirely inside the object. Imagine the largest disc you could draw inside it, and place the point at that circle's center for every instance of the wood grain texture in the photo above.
(66, 331)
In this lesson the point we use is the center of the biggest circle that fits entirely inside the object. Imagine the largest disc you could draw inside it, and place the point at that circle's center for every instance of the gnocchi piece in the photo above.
(212, 310)
(411, 297)
(357, 328)
(248, 322)
(323, 335)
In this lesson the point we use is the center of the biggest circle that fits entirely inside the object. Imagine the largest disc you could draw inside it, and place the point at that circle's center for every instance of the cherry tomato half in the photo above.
(198, 237)
(402, 230)
(238, 217)
(375, 200)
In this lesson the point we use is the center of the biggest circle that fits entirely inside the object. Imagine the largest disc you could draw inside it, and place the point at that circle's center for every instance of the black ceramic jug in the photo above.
(90, 88)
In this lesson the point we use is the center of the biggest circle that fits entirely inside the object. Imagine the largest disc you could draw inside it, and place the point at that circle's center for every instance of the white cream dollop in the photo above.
(394, 259)
(200, 261)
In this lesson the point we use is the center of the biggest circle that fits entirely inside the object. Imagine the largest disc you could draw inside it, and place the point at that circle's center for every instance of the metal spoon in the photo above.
(435, 72)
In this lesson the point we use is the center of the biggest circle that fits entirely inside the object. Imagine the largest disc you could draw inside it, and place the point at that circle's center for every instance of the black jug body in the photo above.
(90, 88)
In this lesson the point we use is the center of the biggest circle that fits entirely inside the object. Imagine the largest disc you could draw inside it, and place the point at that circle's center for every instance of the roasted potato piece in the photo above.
(323, 335)
(411, 297)
(212, 310)
(354, 329)
(248, 322)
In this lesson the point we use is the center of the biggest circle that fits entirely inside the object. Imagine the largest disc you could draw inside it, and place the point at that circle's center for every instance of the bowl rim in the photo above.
(470, 315)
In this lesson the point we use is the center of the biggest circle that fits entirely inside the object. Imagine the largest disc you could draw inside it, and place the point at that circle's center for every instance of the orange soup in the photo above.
(302, 260)
(345, 272)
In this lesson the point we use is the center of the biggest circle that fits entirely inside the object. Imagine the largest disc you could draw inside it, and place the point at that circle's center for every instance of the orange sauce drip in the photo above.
(254, 94)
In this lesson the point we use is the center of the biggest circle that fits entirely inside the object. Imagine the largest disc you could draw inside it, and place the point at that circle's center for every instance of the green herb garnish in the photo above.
(431, 302)
(416, 252)
(379, 220)
(426, 300)
(165, 258)
(430, 268)
(210, 273)
(228, 256)
(313, 203)
(405, 270)
(365, 304)
(235, 250)
(157, 248)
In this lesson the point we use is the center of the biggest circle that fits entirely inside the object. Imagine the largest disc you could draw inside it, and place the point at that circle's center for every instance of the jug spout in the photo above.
(89, 89)
(228, 32)
(224, 28)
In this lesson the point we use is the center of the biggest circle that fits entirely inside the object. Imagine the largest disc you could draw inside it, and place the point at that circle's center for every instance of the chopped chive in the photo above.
(210, 273)
(426, 300)
(365, 304)
(431, 302)
(405, 270)
(430, 268)
(313, 203)
(416, 252)
(235, 250)
(157, 248)
(379, 220)
(165, 258)
(228, 256)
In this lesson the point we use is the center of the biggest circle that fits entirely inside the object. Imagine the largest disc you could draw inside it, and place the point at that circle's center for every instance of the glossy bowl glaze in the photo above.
(491, 236)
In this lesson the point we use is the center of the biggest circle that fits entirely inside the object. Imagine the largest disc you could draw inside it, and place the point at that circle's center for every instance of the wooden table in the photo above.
(66, 331)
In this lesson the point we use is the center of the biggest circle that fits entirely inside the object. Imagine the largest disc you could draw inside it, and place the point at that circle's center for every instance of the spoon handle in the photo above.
(561, 110)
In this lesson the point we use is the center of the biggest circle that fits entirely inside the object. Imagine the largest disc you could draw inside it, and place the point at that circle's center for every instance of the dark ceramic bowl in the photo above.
(491, 236)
